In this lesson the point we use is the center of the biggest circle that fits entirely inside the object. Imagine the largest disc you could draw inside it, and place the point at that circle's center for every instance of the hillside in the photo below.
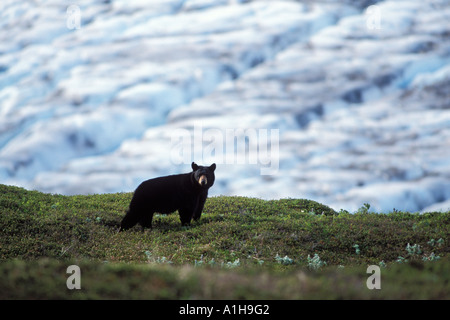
(241, 248)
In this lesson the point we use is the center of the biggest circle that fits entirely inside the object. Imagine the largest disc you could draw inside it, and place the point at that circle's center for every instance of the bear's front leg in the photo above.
(201, 202)
(186, 216)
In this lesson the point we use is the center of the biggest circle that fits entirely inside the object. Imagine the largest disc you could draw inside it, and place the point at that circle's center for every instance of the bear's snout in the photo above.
(203, 181)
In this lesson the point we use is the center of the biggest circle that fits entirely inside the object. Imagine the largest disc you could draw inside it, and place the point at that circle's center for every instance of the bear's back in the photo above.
(162, 194)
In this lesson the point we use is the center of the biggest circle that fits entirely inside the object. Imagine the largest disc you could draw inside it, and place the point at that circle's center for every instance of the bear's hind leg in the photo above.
(146, 221)
(128, 221)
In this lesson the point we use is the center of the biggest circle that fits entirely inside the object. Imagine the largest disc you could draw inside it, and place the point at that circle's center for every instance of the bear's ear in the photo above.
(212, 167)
(194, 166)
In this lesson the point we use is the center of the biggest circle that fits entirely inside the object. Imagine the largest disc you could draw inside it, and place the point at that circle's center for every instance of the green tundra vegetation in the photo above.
(241, 248)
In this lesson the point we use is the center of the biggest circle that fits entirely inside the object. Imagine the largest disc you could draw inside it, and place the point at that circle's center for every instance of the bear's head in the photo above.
(204, 176)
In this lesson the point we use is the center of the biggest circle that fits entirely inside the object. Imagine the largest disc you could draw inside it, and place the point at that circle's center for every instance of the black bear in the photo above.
(186, 193)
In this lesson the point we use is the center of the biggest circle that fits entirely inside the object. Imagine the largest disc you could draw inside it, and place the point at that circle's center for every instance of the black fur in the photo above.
(182, 192)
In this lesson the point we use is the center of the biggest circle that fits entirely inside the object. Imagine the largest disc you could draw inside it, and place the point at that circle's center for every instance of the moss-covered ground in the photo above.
(241, 248)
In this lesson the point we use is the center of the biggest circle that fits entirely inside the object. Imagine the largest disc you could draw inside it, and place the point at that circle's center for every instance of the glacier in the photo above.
(92, 94)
